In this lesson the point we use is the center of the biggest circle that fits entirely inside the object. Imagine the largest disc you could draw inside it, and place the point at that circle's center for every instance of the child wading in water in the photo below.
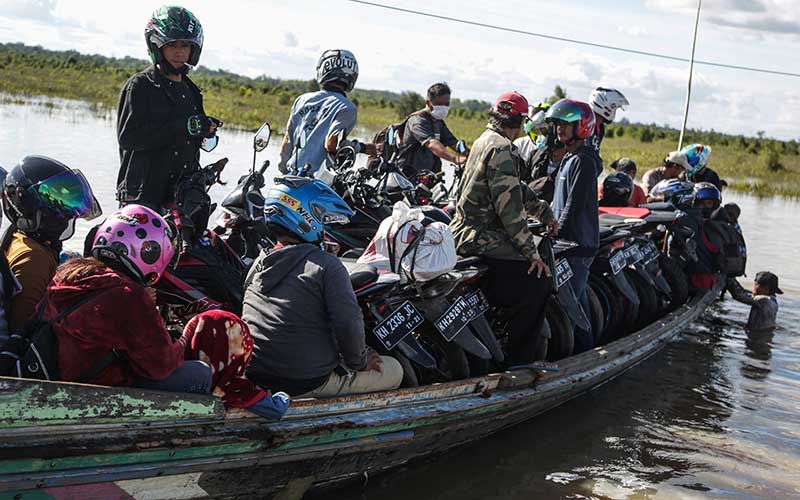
(762, 298)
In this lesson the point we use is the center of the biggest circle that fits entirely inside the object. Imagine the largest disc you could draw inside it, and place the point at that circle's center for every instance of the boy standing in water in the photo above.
(762, 298)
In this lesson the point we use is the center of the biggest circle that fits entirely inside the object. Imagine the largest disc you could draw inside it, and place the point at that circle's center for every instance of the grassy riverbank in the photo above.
(759, 165)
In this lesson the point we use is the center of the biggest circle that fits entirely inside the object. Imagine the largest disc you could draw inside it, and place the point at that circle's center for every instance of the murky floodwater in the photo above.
(716, 414)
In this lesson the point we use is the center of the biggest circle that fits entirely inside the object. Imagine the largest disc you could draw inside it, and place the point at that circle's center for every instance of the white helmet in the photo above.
(338, 65)
(605, 102)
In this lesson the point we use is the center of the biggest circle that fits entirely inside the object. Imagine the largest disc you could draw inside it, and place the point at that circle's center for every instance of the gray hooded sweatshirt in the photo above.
(304, 318)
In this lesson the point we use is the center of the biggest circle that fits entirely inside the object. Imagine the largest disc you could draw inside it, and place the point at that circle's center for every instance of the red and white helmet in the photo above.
(605, 102)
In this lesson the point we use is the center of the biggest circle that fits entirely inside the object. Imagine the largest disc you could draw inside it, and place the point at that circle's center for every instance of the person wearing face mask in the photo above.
(161, 122)
(491, 221)
(426, 138)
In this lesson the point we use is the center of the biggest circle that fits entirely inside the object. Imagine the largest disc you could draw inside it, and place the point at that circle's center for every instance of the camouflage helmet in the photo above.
(169, 24)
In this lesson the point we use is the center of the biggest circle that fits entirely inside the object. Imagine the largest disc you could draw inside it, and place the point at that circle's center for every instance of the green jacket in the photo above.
(493, 207)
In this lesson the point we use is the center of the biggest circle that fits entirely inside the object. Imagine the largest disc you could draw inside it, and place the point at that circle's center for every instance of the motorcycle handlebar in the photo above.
(264, 167)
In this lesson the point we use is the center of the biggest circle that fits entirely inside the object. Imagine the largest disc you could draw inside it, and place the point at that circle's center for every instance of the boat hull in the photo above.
(207, 454)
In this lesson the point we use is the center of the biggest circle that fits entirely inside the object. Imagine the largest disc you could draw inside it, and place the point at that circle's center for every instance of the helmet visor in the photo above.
(67, 194)
(565, 111)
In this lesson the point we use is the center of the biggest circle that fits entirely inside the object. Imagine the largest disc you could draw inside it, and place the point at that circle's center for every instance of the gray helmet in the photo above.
(337, 65)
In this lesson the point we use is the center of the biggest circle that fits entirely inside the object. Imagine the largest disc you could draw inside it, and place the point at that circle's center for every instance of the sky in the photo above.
(399, 51)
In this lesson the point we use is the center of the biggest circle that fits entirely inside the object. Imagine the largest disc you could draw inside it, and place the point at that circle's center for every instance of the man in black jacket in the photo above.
(161, 122)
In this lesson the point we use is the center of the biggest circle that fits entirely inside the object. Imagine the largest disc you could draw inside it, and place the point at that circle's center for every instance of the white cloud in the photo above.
(633, 31)
(776, 17)
(403, 52)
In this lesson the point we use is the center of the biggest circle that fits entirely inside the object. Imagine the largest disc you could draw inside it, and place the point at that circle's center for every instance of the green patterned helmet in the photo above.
(169, 24)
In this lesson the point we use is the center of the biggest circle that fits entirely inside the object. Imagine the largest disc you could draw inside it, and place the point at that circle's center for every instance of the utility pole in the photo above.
(691, 70)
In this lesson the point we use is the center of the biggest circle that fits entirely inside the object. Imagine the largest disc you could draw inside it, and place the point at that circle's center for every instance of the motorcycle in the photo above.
(211, 274)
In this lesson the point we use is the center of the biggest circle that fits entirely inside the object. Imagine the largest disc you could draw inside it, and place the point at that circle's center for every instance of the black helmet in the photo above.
(337, 66)
(617, 190)
(42, 197)
(169, 24)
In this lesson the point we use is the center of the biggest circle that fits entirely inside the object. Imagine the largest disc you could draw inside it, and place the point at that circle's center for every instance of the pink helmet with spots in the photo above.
(139, 239)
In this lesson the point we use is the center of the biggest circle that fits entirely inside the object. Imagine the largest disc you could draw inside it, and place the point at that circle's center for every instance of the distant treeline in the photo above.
(103, 77)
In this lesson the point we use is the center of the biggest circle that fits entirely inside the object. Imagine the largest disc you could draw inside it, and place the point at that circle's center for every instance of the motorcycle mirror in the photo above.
(390, 136)
(461, 147)
(262, 137)
(209, 143)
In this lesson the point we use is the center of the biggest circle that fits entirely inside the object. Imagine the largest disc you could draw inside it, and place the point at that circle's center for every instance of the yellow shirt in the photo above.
(34, 266)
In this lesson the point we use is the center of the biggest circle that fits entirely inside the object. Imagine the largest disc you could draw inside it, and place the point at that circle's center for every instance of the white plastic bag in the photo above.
(395, 247)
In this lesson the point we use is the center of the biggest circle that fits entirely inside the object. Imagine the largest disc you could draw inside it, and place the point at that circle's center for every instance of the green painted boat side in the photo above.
(326, 440)
(25, 403)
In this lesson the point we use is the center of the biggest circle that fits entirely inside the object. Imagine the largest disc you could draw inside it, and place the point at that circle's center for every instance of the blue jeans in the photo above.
(192, 376)
(584, 340)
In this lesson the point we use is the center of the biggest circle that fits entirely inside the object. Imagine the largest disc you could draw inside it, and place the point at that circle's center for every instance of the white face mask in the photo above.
(440, 112)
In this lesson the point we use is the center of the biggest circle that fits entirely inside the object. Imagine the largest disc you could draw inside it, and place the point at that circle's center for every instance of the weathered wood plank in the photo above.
(35, 403)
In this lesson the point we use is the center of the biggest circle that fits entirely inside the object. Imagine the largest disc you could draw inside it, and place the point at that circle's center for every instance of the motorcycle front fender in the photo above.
(566, 297)
(624, 286)
(413, 350)
(483, 331)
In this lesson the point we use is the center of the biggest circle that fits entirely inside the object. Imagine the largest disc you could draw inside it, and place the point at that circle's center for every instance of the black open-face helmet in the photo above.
(42, 197)
(170, 24)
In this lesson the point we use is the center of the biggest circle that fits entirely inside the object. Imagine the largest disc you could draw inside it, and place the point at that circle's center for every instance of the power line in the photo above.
(573, 40)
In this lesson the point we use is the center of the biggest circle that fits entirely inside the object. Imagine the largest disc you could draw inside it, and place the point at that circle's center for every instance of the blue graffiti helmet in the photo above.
(697, 156)
(303, 206)
(704, 191)
(676, 191)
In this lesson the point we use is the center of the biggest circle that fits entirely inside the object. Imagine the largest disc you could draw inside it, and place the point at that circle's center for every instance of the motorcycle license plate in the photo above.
(618, 262)
(398, 325)
(633, 255)
(563, 273)
(460, 313)
(650, 252)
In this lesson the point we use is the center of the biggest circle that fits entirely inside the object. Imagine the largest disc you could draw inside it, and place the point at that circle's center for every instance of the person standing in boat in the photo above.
(300, 305)
(491, 221)
(161, 122)
(426, 138)
(575, 199)
(320, 120)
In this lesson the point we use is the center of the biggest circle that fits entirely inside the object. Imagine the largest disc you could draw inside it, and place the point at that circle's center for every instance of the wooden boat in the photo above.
(62, 440)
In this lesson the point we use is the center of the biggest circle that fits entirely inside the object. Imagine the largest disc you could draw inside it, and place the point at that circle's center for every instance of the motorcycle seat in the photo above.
(626, 212)
(361, 275)
(609, 235)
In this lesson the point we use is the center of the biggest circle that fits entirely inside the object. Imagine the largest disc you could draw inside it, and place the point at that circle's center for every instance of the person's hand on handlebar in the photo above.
(540, 267)
(553, 226)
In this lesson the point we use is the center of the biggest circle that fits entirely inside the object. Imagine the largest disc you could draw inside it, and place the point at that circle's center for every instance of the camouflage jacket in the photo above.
(491, 216)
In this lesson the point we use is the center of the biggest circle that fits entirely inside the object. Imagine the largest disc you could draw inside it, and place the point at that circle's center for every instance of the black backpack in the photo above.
(732, 255)
(33, 353)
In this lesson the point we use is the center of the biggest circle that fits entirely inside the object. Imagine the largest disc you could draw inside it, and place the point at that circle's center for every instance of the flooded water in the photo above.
(715, 414)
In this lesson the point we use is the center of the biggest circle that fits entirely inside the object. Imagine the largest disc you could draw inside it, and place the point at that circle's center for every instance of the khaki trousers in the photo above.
(360, 382)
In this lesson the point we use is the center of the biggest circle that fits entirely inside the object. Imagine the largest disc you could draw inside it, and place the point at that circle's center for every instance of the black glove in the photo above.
(200, 126)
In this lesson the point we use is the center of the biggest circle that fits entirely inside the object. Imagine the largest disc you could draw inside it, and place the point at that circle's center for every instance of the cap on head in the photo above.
(677, 158)
(511, 104)
(769, 280)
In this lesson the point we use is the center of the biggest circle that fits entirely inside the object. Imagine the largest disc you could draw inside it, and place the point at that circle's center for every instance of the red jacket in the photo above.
(124, 318)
